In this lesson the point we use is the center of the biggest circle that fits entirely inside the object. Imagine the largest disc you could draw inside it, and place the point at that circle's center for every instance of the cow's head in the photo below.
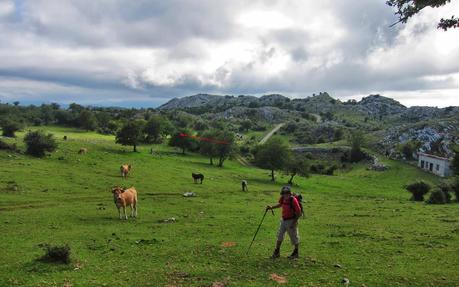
(117, 191)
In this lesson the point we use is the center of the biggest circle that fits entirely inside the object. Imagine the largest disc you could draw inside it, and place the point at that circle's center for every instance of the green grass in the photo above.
(361, 220)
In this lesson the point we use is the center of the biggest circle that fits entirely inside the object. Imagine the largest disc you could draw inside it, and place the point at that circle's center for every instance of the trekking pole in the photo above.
(256, 232)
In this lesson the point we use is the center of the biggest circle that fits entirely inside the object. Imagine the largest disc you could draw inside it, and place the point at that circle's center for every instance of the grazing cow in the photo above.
(197, 176)
(244, 185)
(83, 150)
(125, 169)
(125, 197)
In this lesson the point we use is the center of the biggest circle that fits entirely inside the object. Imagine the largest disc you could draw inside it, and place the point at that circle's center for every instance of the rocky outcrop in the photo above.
(436, 138)
(212, 101)
(268, 114)
(190, 102)
(376, 105)
(376, 165)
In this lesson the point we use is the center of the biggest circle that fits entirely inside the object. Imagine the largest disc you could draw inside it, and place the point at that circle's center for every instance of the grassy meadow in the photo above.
(359, 224)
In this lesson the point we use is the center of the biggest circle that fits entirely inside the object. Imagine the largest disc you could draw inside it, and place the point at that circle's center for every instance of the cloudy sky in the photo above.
(142, 53)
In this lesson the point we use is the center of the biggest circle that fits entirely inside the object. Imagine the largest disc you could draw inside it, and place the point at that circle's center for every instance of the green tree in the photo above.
(87, 120)
(246, 125)
(183, 140)
(224, 145)
(64, 117)
(455, 161)
(37, 143)
(9, 128)
(409, 148)
(405, 9)
(272, 155)
(207, 147)
(131, 134)
(153, 129)
(47, 114)
(356, 140)
(103, 118)
(201, 125)
(167, 129)
(297, 165)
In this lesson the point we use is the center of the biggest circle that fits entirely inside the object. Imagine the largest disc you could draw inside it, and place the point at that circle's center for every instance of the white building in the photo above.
(434, 164)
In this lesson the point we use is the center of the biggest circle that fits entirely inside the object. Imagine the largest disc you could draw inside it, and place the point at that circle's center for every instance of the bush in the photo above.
(446, 189)
(438, 196)
(245, 149)
(317, 168)
(38, 143)
(455, 187)
(56, 254)
(418, 190)
(330, 170)
(6, 146)
(9, 128)
(357, 155)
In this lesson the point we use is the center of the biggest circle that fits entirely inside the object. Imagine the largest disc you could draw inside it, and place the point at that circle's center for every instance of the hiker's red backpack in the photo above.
(299, 198)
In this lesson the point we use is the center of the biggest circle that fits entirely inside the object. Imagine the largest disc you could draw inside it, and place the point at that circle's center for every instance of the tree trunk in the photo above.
(272, 175)
(220, 161)
(211, 161)
(183, 150)
(135, 148)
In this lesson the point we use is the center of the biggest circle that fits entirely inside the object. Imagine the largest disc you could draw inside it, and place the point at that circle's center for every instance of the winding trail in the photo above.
(242, 160)
(275, 129)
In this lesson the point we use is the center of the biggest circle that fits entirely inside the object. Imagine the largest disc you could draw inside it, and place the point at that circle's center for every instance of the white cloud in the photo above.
(179, 47)
(6, 8)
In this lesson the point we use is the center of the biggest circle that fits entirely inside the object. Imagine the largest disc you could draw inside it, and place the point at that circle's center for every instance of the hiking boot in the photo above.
(294, 254)
(276, 254)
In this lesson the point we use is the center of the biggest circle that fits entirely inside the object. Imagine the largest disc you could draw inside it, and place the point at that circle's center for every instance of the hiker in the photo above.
(291, 212)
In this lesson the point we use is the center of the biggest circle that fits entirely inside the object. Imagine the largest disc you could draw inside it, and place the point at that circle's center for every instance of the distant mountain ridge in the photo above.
(323, 102)
(390, 122)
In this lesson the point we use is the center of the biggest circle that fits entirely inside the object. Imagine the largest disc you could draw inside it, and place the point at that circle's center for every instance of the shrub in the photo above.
(6, 146)
(317, 168)
(245, 149)
(56, 254)
(38, 143)
(446, 189)
(418, 190)
(438, 196)
(455, 187)
(9, 128)
(330, 170)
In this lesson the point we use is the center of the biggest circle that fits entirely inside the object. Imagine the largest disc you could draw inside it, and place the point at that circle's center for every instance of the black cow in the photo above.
(197, 176)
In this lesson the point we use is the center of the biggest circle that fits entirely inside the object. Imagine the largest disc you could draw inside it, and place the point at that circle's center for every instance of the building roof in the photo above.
(433, 156)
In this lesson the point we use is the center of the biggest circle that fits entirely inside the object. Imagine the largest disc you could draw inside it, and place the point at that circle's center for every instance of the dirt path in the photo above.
(318, 118)
(275, 129)
(242, 160)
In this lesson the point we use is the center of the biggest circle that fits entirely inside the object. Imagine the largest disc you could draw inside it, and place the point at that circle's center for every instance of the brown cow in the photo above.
(125, 169)
(125, 197)
(83, 150)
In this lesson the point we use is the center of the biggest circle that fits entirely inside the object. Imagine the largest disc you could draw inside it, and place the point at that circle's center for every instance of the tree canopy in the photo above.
(297, 165)
(182, 140)
(273, 155)
(405, 9)
(131, 133)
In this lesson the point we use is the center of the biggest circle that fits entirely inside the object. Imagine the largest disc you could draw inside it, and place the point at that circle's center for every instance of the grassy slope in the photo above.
(361, 220)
